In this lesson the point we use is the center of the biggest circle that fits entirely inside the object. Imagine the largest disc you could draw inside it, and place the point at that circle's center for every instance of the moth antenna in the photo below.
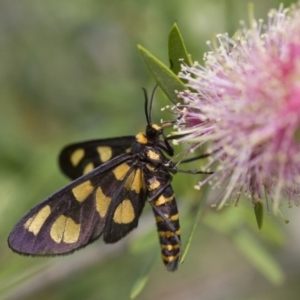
(148, 118)
(151, 101)
(148, 104)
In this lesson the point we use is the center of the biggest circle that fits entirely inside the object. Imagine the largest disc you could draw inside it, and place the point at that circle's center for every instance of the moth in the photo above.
(112, 179)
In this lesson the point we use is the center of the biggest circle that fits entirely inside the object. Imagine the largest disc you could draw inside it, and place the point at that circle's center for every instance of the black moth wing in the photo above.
(108, 201)
(78, 159)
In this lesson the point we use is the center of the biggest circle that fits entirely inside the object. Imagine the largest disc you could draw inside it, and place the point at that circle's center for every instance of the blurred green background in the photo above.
(70, 71)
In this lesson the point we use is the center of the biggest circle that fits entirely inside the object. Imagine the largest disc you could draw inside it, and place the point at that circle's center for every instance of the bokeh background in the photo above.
(70, 71)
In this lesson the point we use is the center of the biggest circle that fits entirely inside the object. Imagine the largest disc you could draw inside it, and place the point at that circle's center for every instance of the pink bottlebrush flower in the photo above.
(245, 107)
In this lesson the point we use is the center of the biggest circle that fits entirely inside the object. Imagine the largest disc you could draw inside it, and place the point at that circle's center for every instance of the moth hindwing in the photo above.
(112, 178)
(78, 159)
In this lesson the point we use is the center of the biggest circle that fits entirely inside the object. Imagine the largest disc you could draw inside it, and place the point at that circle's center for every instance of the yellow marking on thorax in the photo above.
(105, 153)
(153, 155)
(128, 150)
(82, 191)
(65, 230)
(121, 171)
(76, 157)
(170, 258)
(169, 247)
(153, 185)
(141, 138)
(88, 168)
(168, 233)
(35, 223)
(124, 213)
(134, 182)
(172, 218)
(150, 168)
(102, 202)
(163, 200)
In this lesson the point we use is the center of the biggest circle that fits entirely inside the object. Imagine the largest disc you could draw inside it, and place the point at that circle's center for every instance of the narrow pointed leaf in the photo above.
(259, 213)
(164, 77)
(138, 286)
(195, 223)
(187, 247)
(177, 50)
(232, 225)
(259, 256)
(142, 279)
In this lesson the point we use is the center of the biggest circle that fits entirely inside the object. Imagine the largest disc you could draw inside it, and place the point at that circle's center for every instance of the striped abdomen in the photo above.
(167, 220)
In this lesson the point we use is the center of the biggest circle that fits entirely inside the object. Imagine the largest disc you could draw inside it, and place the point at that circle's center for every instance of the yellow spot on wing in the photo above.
(88, 168)
(35, 223)
(134, 181)
(72, 232)
(65, 230)
(137, 183)
(82, 191)
(153, 155)
(124, 213)
(58, 228)
(162, 200)
(77, 156)
(105, 153)
(102, 202)
(120, 171)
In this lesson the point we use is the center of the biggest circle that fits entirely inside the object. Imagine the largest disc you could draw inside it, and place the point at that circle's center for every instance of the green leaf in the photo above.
(187, 247)
(202, 195)
(142, 279)
(138, 286)
(259, 213)
(259, 257)
(177, 50)
(164, 77)
(233, 225)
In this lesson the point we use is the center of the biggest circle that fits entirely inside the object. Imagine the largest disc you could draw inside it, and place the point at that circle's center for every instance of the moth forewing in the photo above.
(71, 218)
